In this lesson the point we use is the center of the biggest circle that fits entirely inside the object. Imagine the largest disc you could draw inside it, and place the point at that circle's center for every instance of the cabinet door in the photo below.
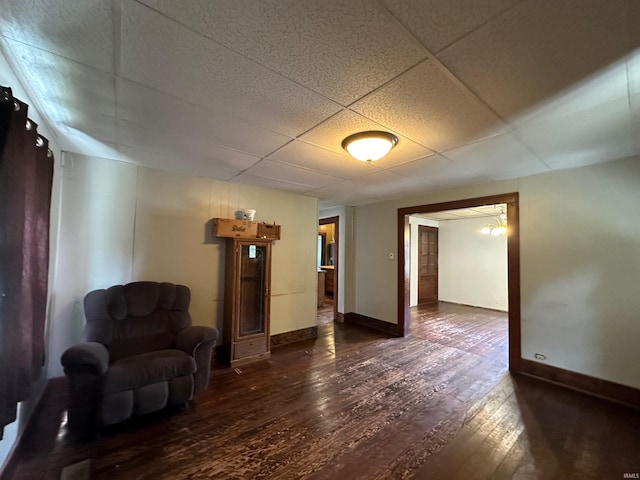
(254, 289)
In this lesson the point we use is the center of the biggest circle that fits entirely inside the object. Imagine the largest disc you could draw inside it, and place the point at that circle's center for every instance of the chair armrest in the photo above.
(198, 341)
(188, 339)
(87, 356)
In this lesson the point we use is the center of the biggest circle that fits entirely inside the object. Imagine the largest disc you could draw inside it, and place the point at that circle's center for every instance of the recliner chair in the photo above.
(141, 355)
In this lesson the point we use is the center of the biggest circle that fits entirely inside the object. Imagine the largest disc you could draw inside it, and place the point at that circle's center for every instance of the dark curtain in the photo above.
(26, 174)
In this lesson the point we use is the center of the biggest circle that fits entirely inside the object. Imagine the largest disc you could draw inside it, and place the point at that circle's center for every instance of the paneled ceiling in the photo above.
(263, 92)
(461, 213)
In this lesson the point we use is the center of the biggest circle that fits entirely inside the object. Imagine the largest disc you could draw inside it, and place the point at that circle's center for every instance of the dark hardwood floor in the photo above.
(356, 404)
(325, 311)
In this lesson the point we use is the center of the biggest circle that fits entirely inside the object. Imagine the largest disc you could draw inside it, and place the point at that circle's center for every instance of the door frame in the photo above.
(336, 258)
(513, 262)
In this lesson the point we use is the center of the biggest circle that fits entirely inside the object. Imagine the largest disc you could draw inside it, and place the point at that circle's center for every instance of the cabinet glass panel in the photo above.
(252, 290)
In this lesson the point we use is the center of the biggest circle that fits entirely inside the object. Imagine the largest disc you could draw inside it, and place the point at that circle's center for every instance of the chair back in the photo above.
(136, 318)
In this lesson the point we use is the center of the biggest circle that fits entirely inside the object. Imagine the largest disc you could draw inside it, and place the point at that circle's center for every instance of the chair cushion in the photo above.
(145, 369)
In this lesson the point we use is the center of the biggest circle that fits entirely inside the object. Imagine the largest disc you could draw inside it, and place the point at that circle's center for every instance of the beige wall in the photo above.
(346, 257)
(472, 267)
(580, 258)
(122, 223)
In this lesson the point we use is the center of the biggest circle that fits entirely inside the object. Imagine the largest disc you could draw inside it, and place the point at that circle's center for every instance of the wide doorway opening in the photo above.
(475, 276)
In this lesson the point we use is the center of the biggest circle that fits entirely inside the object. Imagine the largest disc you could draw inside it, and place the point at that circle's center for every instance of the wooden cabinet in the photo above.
(246, 301)
(329, 279)
(321, 286)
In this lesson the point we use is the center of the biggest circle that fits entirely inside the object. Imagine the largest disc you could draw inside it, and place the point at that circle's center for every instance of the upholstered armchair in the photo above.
(141, 355)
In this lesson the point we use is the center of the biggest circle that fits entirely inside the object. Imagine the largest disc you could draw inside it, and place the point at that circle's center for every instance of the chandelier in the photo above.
(497, 228)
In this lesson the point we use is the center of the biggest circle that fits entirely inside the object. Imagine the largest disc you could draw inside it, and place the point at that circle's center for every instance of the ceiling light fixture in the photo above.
(369, 146)
(498, 228)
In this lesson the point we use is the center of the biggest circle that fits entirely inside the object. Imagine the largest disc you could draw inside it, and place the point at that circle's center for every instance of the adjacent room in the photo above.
(364, 239)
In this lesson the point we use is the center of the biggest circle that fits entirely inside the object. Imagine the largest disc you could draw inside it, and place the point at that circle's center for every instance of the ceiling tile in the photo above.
(160, 111)
(62, 83)
(342, 193)
(324, 161)
(582, 138)
(386, 185)
(290, 173)
(78, 30)
(438, 216)
(193, 166)
(461, 213)
(95, 125)
(440, 172)
(339, 49)
(166, 56)
(537, 50)
(609, 84)
(330, 134)
(263, 182)
(496, 157)
(74, 141)
(185, 148)
(429, 107)
(437, 24)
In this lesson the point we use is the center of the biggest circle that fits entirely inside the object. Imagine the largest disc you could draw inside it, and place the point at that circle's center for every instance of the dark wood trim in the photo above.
(404, 272)
(473, 306)
(465, 203)
(513, 281)
(598, 387)
(294, 336)
(373, 323)
(513, 260)
(336, 260)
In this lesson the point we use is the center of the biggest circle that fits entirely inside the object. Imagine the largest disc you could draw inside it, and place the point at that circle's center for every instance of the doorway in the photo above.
(427, 265)
(513, 263)
(328, 229)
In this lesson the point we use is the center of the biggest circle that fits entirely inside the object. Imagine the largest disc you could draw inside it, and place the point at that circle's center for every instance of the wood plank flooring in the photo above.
(356, 404)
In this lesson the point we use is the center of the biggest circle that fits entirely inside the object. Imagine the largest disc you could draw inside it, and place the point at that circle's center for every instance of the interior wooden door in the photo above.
(427, 264)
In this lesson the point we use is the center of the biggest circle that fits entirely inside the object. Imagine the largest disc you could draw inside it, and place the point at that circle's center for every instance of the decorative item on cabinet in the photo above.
(271, 232)
(231, 228)
(247, 297)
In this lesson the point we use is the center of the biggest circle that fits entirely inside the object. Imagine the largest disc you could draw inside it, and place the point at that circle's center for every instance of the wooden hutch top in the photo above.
(231, 228)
